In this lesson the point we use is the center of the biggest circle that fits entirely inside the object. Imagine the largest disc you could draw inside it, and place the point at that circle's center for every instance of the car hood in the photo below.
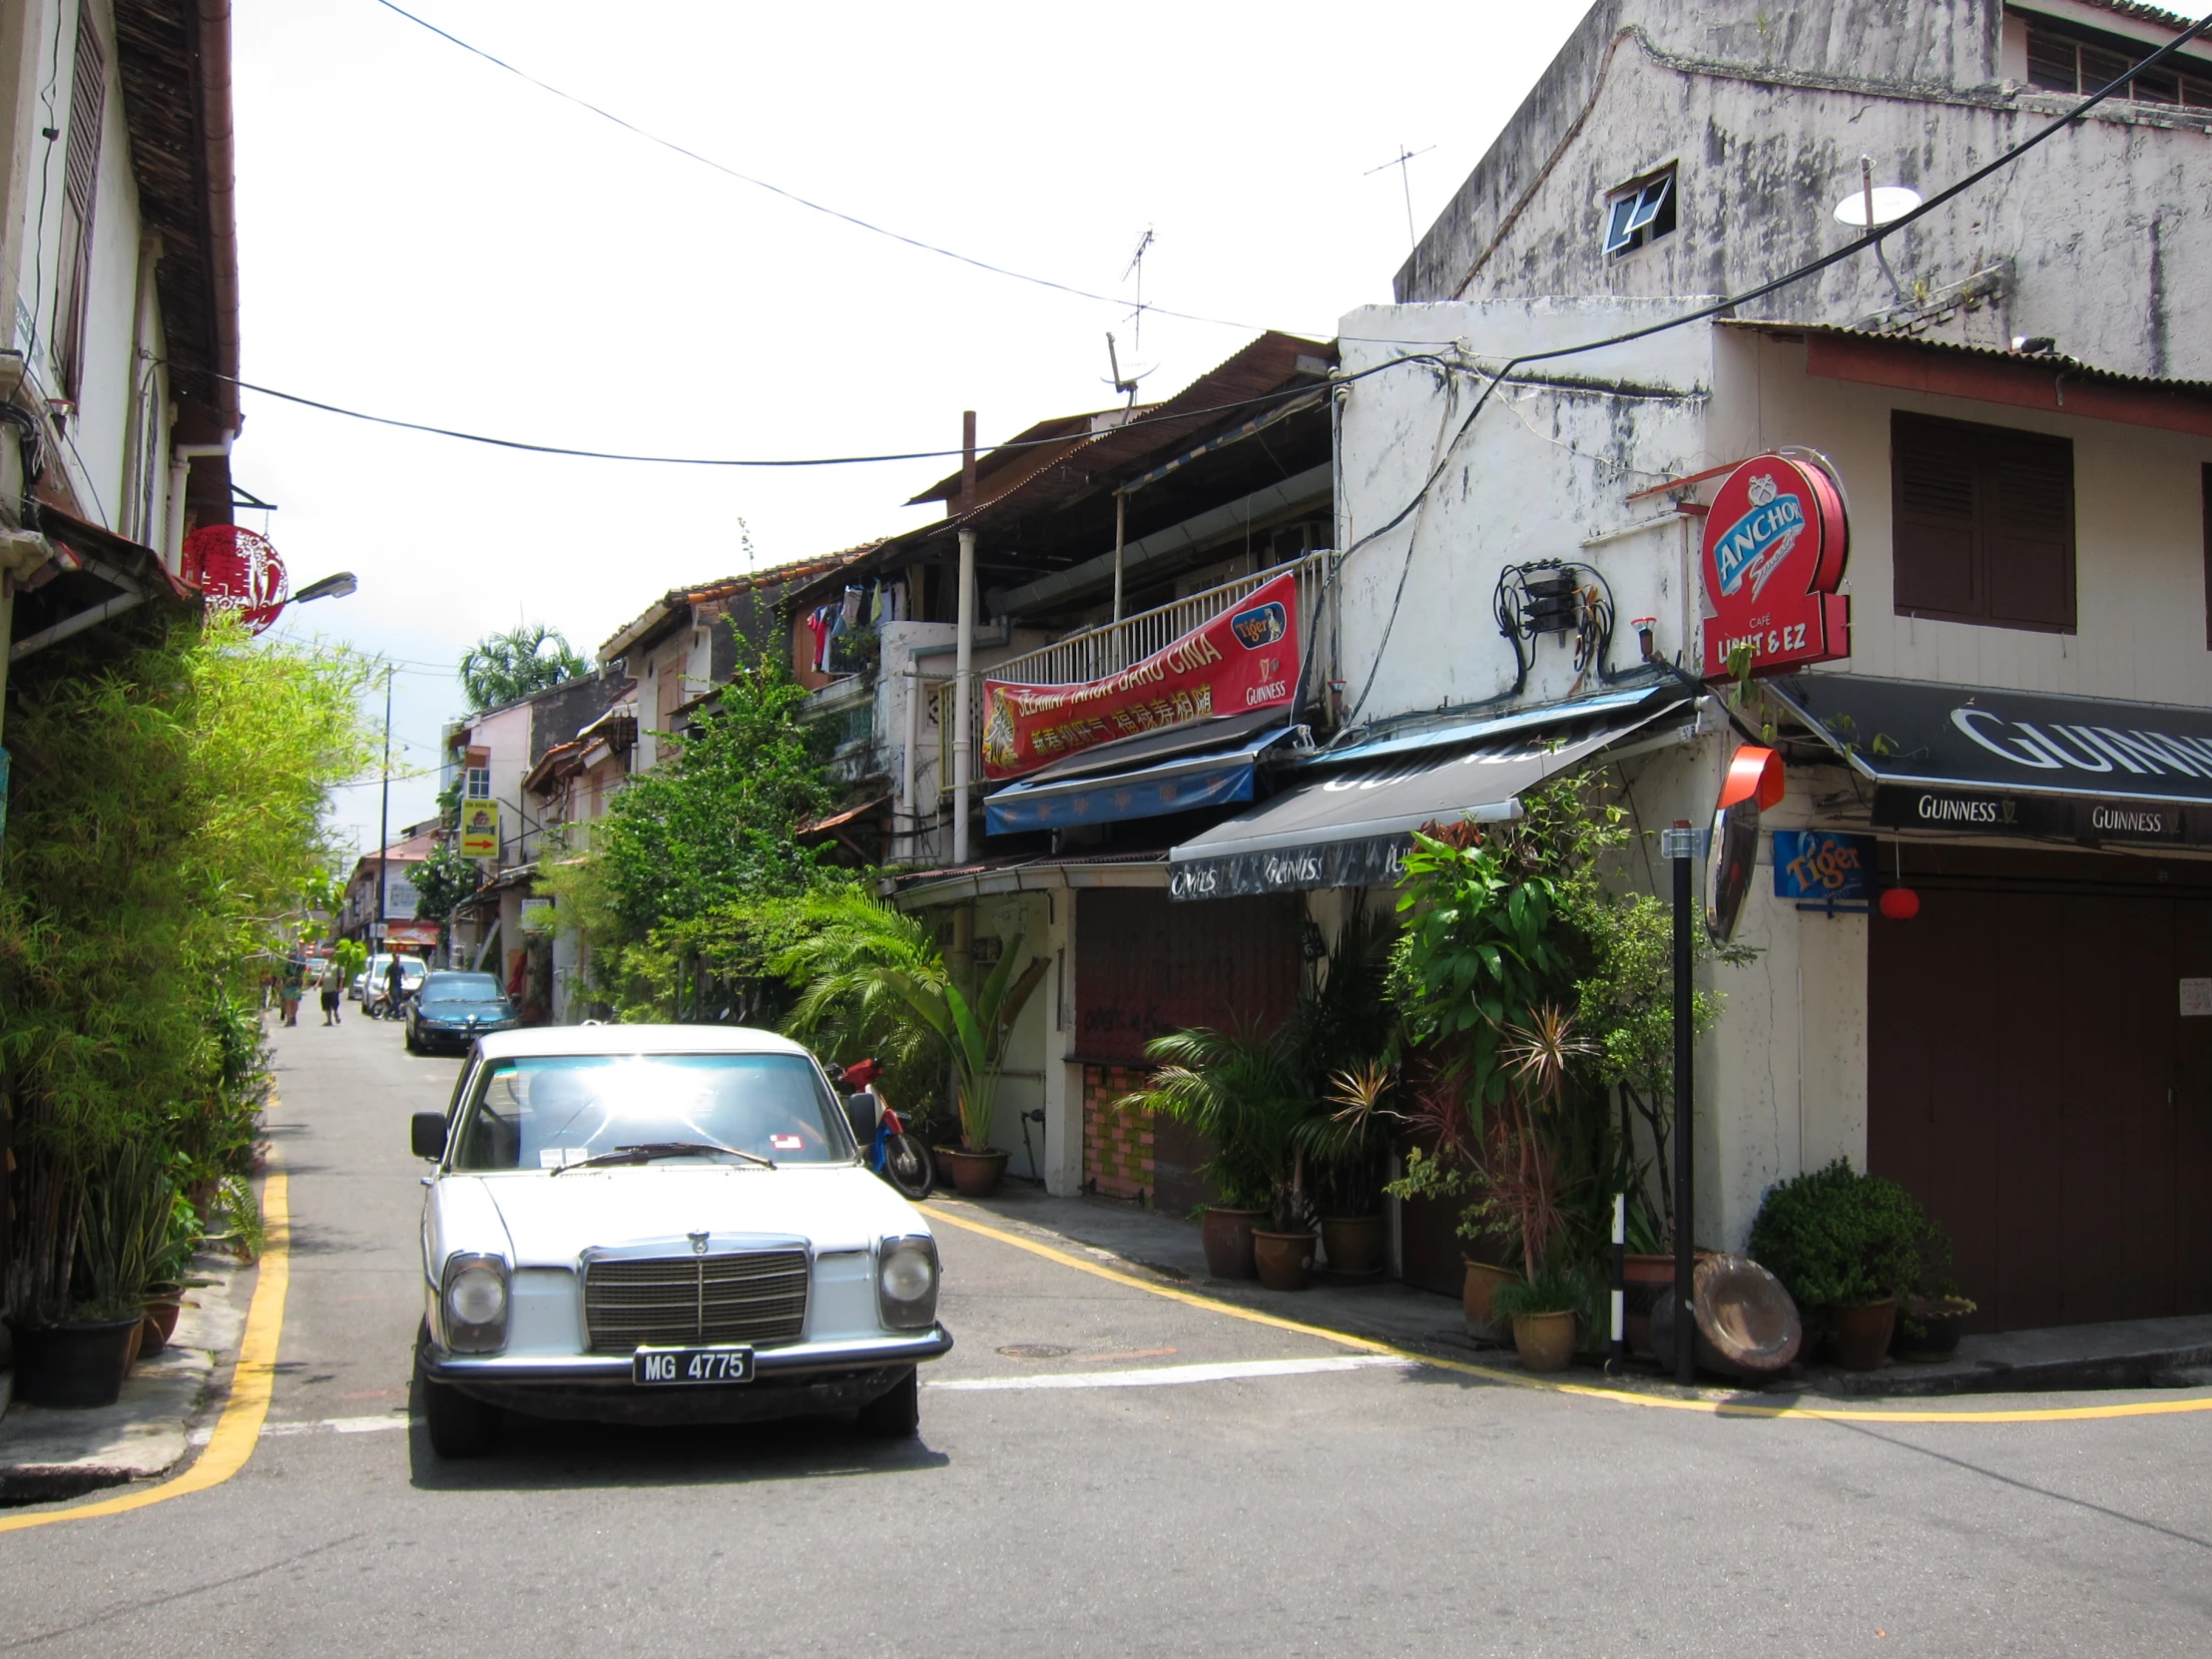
(551, 1221)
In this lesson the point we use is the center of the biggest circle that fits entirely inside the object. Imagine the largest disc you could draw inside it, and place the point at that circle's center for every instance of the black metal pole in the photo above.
(383, 832)
(1685, 1260)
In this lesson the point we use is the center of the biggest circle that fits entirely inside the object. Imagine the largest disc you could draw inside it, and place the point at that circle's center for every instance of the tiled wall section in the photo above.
(1117, 1146)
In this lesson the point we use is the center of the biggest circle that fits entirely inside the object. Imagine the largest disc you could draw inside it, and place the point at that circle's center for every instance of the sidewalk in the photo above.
(46, 1455)
(2135, 1354)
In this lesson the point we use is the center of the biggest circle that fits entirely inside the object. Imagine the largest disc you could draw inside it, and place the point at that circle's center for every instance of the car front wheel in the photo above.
(896, 1415)
(459, 1425)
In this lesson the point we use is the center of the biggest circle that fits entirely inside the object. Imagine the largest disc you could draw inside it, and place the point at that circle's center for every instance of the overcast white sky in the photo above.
(428, 237)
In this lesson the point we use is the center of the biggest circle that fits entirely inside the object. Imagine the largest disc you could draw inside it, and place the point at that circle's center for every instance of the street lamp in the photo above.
(331, 587)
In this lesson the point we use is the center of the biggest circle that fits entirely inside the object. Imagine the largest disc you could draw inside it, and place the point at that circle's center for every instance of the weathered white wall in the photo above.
(1544, 470)
(1765, 112)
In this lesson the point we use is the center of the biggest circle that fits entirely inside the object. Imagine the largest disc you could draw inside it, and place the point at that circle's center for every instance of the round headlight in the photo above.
(909, 1274)
(477, 1295)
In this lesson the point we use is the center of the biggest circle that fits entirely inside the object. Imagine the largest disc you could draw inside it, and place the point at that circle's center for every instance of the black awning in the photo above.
(1350, 827)
(1985, 762)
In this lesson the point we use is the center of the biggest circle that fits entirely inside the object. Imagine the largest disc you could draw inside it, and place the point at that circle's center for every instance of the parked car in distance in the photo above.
(452, 1010)
(662, 1224)
(377, 979)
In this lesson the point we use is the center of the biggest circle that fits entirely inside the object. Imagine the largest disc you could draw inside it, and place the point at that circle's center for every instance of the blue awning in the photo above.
(1213, 777)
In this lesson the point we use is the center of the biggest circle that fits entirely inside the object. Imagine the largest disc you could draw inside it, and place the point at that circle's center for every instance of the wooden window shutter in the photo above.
(1933, 519)
(1983, 524)
(2208, 555)
(87, 103)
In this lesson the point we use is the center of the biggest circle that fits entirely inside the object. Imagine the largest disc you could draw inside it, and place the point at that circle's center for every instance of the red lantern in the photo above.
(236, 570)
(1900, 903)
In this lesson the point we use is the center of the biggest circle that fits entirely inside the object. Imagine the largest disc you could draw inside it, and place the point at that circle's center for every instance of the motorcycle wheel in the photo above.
(908, 1167)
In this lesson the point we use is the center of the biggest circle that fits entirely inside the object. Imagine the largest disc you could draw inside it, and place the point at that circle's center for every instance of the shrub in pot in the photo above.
(1845, 1245)
(73, 1349)
(1542, 1309)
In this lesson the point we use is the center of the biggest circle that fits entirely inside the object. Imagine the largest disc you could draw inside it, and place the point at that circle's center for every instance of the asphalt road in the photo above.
(1376, 1509)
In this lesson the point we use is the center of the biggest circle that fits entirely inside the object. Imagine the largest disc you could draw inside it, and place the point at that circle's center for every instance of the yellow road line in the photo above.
(1615, 1396)
(253, 1379)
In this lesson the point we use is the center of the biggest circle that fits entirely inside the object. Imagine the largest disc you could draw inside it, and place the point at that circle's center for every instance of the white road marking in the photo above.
(320, 1425)
(1159, 1376)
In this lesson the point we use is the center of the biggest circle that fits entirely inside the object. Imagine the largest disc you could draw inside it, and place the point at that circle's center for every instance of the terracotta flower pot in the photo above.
(1226, 1237)
(1285, 1259)
(1545, 1341)
(1354, 1243)
(161, 1322)
(1482, 1281)
(1942, 1320)
(74, 1365)
(974, 1174)
(1863, 1334)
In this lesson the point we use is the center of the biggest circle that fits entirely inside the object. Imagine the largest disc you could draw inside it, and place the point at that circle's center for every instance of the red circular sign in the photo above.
(236, 570)
(1776, 543)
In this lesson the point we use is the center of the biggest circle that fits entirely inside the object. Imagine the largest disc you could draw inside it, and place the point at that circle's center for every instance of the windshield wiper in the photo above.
(646, 1151)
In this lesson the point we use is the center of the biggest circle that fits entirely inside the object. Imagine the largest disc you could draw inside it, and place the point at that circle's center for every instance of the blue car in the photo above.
(452, 1010)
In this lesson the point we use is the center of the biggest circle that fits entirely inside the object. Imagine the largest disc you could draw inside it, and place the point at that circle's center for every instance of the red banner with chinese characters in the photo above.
(1245, 658)
(1776, 543)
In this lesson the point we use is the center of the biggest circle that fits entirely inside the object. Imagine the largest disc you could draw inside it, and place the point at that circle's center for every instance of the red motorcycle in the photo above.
(899, 1157)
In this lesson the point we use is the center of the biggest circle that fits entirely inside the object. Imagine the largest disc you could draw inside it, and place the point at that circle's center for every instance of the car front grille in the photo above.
(753, 1296)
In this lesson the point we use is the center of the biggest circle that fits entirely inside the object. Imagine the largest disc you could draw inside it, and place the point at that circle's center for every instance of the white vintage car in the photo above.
(662, 1224)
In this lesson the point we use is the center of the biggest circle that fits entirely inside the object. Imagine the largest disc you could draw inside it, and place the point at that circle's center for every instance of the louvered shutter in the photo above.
(87, 103)
(2028, 484)
(1983, 524)
(1933, 519)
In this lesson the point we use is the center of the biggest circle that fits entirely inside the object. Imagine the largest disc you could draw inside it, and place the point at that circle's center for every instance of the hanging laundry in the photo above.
(850, 611)
(817, 624)
(875, 606)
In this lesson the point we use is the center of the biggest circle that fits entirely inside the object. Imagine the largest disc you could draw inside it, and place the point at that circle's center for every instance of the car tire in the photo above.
(896, 1415)
(459, 1425)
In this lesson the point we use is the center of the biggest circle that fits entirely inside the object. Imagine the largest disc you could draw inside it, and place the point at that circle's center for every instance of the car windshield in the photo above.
(460, 988)
(541, 1112)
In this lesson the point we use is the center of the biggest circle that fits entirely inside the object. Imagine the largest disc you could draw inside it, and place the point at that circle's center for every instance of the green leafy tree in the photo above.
(500, 668)
(166, 817)
(443, 881)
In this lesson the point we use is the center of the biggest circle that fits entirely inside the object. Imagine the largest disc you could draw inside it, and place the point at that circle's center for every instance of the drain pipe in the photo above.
(181, 457)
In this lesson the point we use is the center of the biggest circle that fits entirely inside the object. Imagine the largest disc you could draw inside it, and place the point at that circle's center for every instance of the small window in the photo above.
(1983, 524)
(1640, 211)
(2060, 61)
(479, 782)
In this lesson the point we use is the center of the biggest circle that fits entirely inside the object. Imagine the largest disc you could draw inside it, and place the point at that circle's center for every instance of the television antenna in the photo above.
(1402, 162)
(1135, 269)
(1126, 385)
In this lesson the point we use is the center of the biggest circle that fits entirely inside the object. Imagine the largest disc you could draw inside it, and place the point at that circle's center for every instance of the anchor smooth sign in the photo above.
(1776, 543)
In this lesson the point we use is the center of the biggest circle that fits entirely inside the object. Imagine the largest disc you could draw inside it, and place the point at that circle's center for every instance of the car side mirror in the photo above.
(428, 1136)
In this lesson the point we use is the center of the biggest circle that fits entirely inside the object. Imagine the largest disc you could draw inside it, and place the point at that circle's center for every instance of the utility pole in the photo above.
(1680, 847)
(383, 822)
(964, 682)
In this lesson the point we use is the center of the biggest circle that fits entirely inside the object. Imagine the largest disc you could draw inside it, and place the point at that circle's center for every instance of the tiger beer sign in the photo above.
(1775, 542)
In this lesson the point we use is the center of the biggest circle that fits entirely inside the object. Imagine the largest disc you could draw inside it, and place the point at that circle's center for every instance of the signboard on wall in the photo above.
(1246, 658)
(1776, 543)
(1817, 865)
(480, 828)
(400, 898)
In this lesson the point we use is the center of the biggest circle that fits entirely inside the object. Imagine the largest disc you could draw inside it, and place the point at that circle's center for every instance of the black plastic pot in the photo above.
(1942, 1320)
(75, 1364)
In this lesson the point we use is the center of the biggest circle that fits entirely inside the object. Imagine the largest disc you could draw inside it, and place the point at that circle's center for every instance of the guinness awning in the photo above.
(1350, 826)
(2002, 763)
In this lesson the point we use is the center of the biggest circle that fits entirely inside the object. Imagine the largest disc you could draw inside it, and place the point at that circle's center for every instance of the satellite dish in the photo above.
(1890, 203)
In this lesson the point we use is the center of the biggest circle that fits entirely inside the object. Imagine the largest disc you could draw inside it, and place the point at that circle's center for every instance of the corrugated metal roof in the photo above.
(727, 587)
(2073, 367)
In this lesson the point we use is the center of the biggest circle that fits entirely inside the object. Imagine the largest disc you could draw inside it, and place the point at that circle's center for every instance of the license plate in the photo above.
(680, 1365)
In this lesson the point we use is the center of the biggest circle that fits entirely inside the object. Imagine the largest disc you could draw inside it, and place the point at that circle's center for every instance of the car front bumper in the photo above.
(788, 1381)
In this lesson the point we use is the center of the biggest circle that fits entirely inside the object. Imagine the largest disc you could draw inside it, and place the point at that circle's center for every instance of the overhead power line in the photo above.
(791, 196)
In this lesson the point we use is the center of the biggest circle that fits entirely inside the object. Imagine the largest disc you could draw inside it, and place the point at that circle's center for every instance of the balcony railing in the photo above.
(1095, 653)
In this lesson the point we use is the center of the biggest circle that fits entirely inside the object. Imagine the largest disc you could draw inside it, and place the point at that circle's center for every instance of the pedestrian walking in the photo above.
(294, 983)
(333, 991)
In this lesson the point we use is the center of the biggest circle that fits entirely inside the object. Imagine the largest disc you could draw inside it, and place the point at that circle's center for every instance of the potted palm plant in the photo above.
(1520, 1182)
(76, 1333)
(1239, 1089)
(867, 971)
